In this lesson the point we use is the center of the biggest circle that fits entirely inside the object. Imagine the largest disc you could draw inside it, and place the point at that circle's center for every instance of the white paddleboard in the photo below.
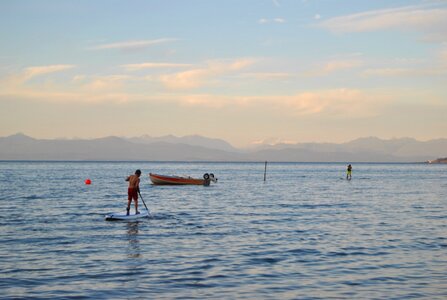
(125, 217)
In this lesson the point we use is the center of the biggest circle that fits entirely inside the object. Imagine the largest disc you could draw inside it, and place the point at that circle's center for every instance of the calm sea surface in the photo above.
(305, 233)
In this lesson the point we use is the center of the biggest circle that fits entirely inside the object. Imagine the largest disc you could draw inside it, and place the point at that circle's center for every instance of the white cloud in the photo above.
(105, 83)
(431, 21)
(41, 70)
(132, 45)
(202, 76)
(267, 76)
(137, 67)
(81, 88)
(32, 72)
(346, 103)
(335, 66)
(275, 20)
(335, 102)
(186, 80)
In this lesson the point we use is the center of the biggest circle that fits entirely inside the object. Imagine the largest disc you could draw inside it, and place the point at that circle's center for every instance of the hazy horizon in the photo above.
(242, 71)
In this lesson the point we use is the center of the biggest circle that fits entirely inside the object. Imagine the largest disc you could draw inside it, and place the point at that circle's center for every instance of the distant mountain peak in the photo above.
(192, 140)
(20, 136)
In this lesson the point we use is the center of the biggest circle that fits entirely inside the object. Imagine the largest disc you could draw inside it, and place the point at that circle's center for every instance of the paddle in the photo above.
(143, 200)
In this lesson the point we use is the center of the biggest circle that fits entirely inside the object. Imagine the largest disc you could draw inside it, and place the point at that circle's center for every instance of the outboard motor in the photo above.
(212, 178)
(208, 178)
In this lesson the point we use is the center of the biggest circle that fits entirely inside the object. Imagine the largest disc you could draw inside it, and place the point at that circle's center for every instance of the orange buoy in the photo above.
(88, 181)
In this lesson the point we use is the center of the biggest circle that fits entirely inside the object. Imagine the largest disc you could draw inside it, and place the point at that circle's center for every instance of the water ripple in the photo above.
(302, 234)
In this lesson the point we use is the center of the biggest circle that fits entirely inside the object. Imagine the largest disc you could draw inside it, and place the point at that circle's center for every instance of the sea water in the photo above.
(304, 233)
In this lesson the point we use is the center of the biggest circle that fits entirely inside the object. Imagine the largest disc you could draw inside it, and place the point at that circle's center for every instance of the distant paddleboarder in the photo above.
(133, 190)
(349, 172)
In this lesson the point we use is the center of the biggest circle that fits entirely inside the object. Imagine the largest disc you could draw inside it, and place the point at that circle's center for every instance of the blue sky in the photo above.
(245, 71)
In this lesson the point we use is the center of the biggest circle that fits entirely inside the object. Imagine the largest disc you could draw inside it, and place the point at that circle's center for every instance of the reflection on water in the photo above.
(134, 266)
(133, 248)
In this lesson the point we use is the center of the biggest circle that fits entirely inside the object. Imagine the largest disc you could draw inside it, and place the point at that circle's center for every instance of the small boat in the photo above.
(181, 180)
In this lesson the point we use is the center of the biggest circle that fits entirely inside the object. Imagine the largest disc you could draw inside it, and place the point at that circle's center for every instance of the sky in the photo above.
(248, 72)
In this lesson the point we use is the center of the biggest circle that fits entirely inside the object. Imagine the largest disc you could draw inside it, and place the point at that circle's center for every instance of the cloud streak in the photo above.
(269, 21)
(199, 77)
(35, 71)
(132, 45)
(431, 21)
(336, 65)
(42, 70)
(142, 66)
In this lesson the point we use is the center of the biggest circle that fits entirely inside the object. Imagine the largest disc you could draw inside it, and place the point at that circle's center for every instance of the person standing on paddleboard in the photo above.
(133, 190)
(349, 172)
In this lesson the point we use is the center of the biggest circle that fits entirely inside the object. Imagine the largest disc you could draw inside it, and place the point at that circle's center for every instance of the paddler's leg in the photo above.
(129, 200)
(136, 206)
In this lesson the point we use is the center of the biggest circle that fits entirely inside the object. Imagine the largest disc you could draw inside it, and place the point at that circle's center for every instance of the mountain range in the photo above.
(199, 148)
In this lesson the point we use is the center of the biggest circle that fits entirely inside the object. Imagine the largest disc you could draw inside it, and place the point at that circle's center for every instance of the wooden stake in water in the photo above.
(265, 170)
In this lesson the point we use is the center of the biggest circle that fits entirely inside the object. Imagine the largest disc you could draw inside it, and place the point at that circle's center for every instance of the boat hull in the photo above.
(174, 180)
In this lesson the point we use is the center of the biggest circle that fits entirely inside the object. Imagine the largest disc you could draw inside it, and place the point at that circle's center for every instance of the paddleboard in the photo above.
(125, 217)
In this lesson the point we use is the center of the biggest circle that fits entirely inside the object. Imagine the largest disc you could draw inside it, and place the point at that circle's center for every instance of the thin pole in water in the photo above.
(265, 170)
